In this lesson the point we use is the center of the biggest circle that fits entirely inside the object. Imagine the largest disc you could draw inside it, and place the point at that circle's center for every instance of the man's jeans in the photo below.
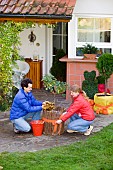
(79, 124)
(22, 125)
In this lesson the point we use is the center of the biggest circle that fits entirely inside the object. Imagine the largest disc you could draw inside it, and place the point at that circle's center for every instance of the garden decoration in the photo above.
(20, 69)
(104, 101)
(105, 67)
(90, 84)
(103, 104)
(51, 113)
(101, 84)
(49, 117)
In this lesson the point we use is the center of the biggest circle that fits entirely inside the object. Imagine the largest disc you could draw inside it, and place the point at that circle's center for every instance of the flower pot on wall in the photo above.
(90, 56)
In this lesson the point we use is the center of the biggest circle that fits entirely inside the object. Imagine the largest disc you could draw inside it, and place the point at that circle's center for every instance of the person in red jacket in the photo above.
(80, 112)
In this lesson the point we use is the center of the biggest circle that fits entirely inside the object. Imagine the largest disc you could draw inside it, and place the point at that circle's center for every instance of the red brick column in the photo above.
(75, 72)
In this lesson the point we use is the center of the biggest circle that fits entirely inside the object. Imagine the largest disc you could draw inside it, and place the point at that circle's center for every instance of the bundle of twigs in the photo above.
(49, 106)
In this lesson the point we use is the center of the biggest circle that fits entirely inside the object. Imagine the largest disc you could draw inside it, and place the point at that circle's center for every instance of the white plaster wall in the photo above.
(95, 7)
(86, 8)
(27, 49)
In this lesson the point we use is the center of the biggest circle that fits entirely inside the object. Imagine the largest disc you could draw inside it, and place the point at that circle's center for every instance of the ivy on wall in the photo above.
(9, 43)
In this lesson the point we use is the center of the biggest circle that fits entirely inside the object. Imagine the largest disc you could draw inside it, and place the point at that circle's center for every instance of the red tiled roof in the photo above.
(37, 8)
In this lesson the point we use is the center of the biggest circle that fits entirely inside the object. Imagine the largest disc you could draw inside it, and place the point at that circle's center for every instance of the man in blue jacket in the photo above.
(25, 106)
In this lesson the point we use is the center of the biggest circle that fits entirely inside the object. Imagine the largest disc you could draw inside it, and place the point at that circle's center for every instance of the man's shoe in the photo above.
(15, 130)
(88, 131)
(71, 131)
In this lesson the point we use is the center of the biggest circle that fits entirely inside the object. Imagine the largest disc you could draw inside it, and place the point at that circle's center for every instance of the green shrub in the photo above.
(9, 42)
(58, 68)
(53, 85)
(100, 79)
(105, 66)
(90, 84)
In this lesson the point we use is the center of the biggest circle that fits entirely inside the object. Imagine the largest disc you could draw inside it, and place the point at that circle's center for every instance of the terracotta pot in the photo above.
(101, 88)
(90, 56)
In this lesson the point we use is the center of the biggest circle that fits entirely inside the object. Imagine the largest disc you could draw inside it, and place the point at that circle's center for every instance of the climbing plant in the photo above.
(9, 43)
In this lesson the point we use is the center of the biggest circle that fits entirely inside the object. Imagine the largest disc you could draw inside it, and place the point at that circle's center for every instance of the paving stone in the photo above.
(11, 142)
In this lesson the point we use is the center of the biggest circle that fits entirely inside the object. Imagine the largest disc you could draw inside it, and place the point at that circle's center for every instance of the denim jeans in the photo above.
(22, 125)
(78, 124)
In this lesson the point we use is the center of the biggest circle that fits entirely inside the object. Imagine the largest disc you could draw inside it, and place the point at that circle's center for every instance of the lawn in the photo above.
(95, 153)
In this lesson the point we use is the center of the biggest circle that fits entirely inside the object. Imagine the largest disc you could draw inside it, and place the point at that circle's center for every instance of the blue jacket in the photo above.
(23, 104)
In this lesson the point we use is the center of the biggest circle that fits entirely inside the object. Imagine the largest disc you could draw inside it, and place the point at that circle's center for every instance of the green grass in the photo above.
(95, 153)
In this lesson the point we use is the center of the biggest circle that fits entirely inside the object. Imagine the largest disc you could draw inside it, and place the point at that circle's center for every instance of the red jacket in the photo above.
(80, 106)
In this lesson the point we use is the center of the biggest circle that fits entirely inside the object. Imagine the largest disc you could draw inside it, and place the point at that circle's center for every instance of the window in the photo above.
(96, 31)
(60, 37)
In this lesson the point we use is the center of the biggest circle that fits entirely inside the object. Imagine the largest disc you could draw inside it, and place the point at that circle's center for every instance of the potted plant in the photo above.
(53, 85)
(104, 101)
(105, 67)
(89, 51)
(101, 83)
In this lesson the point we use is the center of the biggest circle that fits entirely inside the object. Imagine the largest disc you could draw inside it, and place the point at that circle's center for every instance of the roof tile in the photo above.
(2, 8)
(18, 9)
(5, 2)
(61, 11)
(9, 9)
(21, 2)
(52, 10)
(35, 10)
(37, 7)
(12, 2)
(26, 10)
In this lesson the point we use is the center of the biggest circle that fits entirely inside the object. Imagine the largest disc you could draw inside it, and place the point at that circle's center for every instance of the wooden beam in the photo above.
(38, 20)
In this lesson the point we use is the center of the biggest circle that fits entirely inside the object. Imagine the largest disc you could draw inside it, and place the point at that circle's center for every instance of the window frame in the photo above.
(97, 44)
(62, 36)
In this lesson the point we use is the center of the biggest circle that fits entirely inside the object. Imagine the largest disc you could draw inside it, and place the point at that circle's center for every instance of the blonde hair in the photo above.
(75, 88)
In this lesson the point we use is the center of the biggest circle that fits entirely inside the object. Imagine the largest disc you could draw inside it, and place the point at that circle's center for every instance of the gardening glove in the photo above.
(59, 121)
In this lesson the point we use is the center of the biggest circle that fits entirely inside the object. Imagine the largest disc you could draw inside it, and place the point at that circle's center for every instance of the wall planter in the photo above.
(90, 56)
(89, 51)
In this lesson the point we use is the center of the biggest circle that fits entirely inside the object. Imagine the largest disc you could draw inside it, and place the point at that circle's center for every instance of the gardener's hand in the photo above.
(59, 121)
(43, 105)
(64, 113)
(45, 102)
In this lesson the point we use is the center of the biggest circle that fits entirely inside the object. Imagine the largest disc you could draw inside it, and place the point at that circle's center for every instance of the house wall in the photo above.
(75, 73)
(76, 67)
(86, 8)
(94, 7)
(44, 38)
